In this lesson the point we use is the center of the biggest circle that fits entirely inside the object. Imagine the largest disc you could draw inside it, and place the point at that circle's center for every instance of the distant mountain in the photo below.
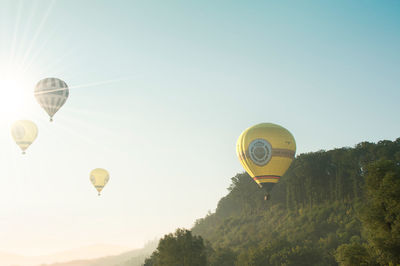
(7, 259)
(130, 258)
(89, 252)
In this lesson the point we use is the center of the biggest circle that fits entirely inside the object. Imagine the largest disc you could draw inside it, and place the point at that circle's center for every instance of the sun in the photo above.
(16, 90)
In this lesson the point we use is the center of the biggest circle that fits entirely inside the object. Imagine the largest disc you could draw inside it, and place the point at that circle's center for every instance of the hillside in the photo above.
(313, 216)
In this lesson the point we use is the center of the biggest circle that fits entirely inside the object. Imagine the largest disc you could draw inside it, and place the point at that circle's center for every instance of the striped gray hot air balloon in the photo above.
(51, 93)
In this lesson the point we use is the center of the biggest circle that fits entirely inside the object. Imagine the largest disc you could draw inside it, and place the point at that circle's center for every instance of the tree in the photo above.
(179, 249)
(353, 254)
(223, 257)
(314, 209)
(381, 214)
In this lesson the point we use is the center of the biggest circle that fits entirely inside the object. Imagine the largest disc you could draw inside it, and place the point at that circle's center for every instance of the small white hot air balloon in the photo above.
(51, 94)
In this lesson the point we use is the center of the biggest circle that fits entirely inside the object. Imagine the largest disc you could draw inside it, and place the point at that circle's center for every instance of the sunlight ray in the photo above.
(26, 66)
(38, 31)
(3, 31)
(49, 69)
(15, 34)
(27, 27)
(93, 84)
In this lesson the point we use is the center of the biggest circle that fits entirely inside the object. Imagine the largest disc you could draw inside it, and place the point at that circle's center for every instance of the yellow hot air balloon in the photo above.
(24, 132)
(266, 151)
(99, 178)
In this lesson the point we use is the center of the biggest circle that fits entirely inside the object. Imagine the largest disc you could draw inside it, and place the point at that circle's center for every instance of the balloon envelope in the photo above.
(51, 94)
(266, 151)
(24, 132)
(99, 178)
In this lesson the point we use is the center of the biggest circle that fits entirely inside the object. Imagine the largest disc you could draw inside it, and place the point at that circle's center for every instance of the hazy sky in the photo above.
(159, 93)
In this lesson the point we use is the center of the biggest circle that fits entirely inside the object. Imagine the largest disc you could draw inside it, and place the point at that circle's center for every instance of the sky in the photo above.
(160, 92)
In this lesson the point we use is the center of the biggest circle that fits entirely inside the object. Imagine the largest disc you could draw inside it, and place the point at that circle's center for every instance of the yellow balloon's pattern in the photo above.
(266, 151)
(99, 178)
(24, 132)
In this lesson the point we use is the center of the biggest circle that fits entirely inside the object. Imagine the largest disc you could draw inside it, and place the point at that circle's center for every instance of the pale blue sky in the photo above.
(186, 77)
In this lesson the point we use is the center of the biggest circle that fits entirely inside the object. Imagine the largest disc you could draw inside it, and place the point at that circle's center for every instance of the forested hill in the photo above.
(332, 207)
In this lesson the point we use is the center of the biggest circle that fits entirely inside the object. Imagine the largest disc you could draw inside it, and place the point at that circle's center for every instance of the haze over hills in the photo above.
(130, 258)
(88, 252)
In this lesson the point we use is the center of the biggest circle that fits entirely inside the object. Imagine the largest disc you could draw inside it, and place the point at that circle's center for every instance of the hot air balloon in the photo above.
(24, 132)
(51, 93)
(99, 178)
(266, 151)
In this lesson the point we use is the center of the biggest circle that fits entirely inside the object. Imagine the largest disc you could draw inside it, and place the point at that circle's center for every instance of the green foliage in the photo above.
(353, 254)
(179, 249)
(381, 214)
(315, 216)
(282, 252)
(222, 257)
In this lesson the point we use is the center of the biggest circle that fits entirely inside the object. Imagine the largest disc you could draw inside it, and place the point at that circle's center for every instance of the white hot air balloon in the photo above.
(51, 93)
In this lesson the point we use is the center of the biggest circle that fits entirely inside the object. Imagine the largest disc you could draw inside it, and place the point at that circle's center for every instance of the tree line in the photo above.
(337, 207)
